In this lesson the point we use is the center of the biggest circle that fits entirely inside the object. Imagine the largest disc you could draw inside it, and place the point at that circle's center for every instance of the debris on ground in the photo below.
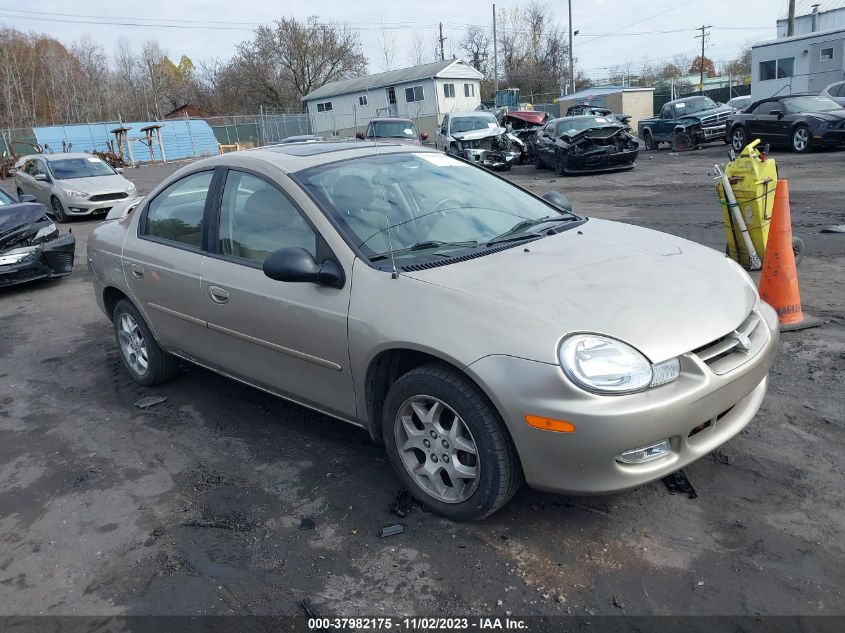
(392, 530)
(618, 602)
(402, 505)
(150, 401)
(719, 457)
(306, 524)
(677, 483)
(833, 228)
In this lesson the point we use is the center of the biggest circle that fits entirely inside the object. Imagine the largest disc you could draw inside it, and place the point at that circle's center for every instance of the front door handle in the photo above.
(136, 271)
(218, 294)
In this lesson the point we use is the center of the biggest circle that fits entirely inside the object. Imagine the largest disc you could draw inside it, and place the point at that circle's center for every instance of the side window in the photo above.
(257, 219)
(176, 214)
(666, 113)
(840, 90)
(549, 130)
(766, 107)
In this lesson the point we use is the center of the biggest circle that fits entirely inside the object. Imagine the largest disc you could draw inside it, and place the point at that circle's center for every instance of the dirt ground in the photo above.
(196, 505)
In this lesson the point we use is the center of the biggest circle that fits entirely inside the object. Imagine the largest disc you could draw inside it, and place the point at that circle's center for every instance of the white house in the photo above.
(797, 64)
(423, 93)
(814, 15)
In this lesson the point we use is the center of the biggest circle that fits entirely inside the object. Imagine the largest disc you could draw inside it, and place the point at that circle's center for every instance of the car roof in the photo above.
(294, 157)
(460, 115)
(49, 157)
(390, 118)
(575, 118)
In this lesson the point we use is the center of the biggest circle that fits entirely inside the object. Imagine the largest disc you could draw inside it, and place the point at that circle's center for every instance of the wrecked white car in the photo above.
(478, 137)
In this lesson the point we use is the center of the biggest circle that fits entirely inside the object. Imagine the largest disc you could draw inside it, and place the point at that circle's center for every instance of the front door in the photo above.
(163, 265)
(392, 110)
(287, 337)
(40, 189)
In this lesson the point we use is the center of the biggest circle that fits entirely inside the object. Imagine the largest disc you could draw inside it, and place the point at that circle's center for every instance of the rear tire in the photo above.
(448, 445)
(146, 362)
(58, 210)
(798, 249)
(650, 144)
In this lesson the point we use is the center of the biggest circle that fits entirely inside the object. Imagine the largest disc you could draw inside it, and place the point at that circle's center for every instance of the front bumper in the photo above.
(599, 159)
(489, 158)
(585, 461)
(53, 259)
(713, 133)
(828, 136)
(83, 207)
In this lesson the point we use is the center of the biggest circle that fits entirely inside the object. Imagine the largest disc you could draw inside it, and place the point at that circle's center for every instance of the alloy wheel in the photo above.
(132, 344)
(437, 449)
(738, 138)
(800, 139)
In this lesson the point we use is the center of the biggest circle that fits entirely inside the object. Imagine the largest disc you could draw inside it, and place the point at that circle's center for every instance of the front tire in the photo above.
(58, 210)
(146, 362)
(538, 162)
(448, 445)
(738, 138)
(801, 139)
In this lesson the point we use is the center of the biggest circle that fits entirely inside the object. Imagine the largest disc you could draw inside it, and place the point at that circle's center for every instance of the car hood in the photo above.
(600, 131)
(703, 114)
(662, 294)
(97, 184)
(16, 220)
(828, 115)
(474, 135)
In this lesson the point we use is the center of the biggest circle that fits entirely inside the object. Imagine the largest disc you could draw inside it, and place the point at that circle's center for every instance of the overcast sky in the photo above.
(611, 32)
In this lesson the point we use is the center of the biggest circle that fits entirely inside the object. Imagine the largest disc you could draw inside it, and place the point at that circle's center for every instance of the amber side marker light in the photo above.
(549, 424)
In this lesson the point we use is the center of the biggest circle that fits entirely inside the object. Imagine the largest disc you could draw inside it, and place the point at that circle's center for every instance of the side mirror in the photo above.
(359, 135)
(777, 113)
(558, 199)
(27, 198)
(295, 264)
(41, 177)
(119, 170)
(424, 136)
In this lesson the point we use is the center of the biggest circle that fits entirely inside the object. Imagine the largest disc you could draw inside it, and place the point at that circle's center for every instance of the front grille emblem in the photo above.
(741, 339)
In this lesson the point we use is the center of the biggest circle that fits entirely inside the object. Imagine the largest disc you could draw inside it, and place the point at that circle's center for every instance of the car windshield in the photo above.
(475, 122)
(569, 127)
(5, 198)
(696, 104)
(87, 167)
(392, 129)
(423, 205)
(794, 105)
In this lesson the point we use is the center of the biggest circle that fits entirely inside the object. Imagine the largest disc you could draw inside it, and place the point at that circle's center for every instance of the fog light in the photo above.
(645, 453)
(665, 372)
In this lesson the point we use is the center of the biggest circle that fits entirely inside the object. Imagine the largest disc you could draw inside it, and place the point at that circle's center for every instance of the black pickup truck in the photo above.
(685, 123)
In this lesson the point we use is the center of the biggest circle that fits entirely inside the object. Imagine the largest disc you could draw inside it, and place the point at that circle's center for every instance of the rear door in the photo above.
(162, 263)
(288, 337)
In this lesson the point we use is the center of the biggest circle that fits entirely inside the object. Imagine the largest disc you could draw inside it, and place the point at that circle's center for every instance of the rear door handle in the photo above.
(218, 294)
(136, 271)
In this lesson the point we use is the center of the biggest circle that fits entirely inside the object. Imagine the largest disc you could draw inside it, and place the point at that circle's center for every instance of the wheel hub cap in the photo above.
(132, 344)
(452, 476)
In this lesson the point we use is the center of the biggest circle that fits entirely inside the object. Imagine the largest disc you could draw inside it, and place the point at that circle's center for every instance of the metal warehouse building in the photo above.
(814, 15)
(801, 63)
(423, 93)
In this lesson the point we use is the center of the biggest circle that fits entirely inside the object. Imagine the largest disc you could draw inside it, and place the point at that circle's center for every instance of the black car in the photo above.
(30, 244)
(585, 144)
(800, 122)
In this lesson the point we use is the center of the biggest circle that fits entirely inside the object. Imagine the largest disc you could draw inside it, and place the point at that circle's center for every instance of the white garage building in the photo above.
(423, 93)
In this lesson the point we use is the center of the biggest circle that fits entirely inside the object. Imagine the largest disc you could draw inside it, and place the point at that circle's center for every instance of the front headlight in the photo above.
(45, 231)
(73, 193)
(605, 365)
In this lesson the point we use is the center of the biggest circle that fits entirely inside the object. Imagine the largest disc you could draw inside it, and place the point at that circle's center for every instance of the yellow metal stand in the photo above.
(753, 181)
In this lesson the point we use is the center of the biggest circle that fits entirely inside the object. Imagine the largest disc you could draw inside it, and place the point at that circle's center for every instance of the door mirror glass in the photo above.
(119, 170)
(296, 265)
(27, 198)
(41, 177)
(558, 199)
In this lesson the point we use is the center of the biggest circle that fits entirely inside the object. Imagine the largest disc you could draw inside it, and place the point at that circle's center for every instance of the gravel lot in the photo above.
(194, 506)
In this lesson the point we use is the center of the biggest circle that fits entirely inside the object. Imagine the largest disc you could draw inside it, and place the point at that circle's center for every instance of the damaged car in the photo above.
(30, 244)
(585, 144)
(524, 125)
(578, 110)
(685, 123)
(478, 138)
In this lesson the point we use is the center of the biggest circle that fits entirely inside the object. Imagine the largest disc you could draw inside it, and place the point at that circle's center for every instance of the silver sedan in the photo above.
(484, 335)
(72, 184)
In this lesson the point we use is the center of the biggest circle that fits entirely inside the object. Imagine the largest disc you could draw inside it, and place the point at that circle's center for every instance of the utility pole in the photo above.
(790, 20)
(442, 39)
(704, 33)
(571, 58)
(495, 58)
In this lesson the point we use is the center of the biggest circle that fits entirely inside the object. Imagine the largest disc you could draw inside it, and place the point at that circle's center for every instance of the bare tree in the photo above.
(388, 47)
(416, 49)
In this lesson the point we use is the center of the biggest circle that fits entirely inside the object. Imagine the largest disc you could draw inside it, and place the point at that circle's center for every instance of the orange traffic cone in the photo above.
(779, 280)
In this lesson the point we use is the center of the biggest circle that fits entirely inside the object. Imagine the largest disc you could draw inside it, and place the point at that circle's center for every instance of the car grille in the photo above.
(59, 261)
(120, 195)
(735, 348)
(715, 120)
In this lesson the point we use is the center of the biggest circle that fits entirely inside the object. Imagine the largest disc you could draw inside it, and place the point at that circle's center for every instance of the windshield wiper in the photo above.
(519, 227)
(420, 246)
